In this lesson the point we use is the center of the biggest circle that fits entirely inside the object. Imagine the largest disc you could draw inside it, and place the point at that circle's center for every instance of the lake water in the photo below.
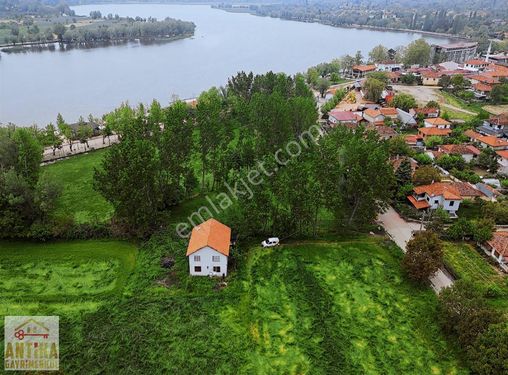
(35, 86)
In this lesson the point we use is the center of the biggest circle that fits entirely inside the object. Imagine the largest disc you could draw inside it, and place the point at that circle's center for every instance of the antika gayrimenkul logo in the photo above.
(31, 343)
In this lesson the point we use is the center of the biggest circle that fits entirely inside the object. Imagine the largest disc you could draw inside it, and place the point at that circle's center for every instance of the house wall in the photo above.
(205, 261)
(439, 201)
(430, 81)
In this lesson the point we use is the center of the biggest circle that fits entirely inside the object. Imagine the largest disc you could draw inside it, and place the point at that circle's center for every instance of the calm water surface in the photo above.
(35, 86)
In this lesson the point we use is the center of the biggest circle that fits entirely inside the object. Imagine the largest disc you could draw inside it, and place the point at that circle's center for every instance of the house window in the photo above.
(436, 201)
(216, 269)
(197, 258)
(216, 258)
(197, 268)
(452, 203)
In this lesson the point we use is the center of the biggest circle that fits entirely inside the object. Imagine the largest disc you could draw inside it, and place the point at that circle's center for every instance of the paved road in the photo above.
(401, 232)
(77, 148)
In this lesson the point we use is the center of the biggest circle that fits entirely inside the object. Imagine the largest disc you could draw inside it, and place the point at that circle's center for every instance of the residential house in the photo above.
(503, 161)
(488, 191)
(481, 90)
(439, 194)
(360, 71)
(384, 132)
(475, 65)
(426, 112)
(373, 116)
(405, 118)
(468, 152)
(394, 76)
(208, 249)
(497, 248)
(467, 190)
(482, 78)
(437, 122)
(431, 132)
(414, 141)
(430, 78)
(345, 118)
(495, 125)
(389, 112)
(491, 141)
(388, 66)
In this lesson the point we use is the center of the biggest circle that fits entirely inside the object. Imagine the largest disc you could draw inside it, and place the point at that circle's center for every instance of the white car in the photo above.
(272, 241)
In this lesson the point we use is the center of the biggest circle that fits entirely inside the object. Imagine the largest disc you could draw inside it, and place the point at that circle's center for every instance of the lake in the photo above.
(35, 86)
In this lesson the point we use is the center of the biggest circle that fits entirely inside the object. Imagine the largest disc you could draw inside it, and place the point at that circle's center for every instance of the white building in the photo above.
(438, 194)
(388, 66)
(208, 249)
(497, 248)
(437, 122)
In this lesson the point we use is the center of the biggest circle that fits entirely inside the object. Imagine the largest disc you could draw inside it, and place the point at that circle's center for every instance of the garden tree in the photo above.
(29, 155)
(332, 103)
(380, 76)
(461, 229)
(355, 175)
(488, 160)
(449, 162)
(437, 220)
(240, 85)
(51, 138)
(483, 230)
(498, 211)
(432, 104)
(408, 79)
(358, 58)
(459, 82)
(107, 132)
(423, 257)
(334, 77)
(374, 88)
(303, 113)
(433, 141)
(59, 31)
(426, 175)
(129, 177)
(84, 131)
(445, 115)
(347, 63)
(464, 313)
(404, 101)
(417, 52)
(444, 81)
(489, 352)
(313, 76)
(499, 94)
(404, 173)
(423, 159)
(398, 146)
(65, 130)
(378, 54)
(208, 121)
(322, 85)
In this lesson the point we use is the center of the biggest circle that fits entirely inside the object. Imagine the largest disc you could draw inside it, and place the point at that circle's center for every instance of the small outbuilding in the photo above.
(208, 249)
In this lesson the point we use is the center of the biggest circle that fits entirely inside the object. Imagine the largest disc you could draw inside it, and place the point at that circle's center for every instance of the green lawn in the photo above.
(470, 265)
(60, 272)
(79, 200)
(317, 308)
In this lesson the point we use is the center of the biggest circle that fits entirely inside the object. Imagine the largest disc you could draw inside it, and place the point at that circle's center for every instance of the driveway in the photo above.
(401, 232)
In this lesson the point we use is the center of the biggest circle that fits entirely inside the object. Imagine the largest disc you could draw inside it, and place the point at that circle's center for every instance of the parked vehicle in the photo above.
(272, 241)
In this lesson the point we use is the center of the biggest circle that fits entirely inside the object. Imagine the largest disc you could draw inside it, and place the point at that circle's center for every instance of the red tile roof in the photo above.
(499, 242)
(419, 205)
(465, 189)
(428, 132)
(459, 149)
(501, 119)
(476, 62)
(447, 190)
(503, 154)
(482, 87)
(437, 121)
(389, 111)
(343, 115)
(489, 140)
(211, 233)
(372, 112)
(364, 68)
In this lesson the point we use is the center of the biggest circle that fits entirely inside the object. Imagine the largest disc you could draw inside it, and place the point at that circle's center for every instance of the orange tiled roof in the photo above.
(503, 154)
(427, 132)
(484, 79)
(372, 112)
(482, 87)
(437, 121)
(476, 62)
(499, 242)
(211, 233)
(489, 140)
(364, 68)
(389, 111)
(419, 205)
(459, 149)
(501, 119)
(447, 190)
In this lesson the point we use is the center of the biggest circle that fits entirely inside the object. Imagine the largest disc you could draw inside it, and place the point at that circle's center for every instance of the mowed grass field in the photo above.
(62, 274)
(79, 200)
(309, 308)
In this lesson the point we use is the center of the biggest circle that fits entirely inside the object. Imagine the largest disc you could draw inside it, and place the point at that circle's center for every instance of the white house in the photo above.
(388, 66)
(497, 248)
(437, 122)
(374, 116)
(438, 194)
(208, 249)
(475, 65)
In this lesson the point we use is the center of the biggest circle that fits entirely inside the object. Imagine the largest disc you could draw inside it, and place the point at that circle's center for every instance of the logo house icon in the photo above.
(31, 328)
(31, 343)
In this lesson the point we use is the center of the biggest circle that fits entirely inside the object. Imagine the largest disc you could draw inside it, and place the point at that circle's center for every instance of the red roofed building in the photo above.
(476, 65)
(431, 78)
(389, 112)
(481, 90)
(497, 248)
(426, 112)
(374, 116)
(208, 249)
(468, 152)
(439, 194)
(431, 132)
(491, 141)
(437, 122)
(360, 71)
(346, 118)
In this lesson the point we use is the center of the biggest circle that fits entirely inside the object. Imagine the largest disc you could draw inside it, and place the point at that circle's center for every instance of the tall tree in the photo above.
(378, 54)
(65, 130)
(417, 52)
(423, 257)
